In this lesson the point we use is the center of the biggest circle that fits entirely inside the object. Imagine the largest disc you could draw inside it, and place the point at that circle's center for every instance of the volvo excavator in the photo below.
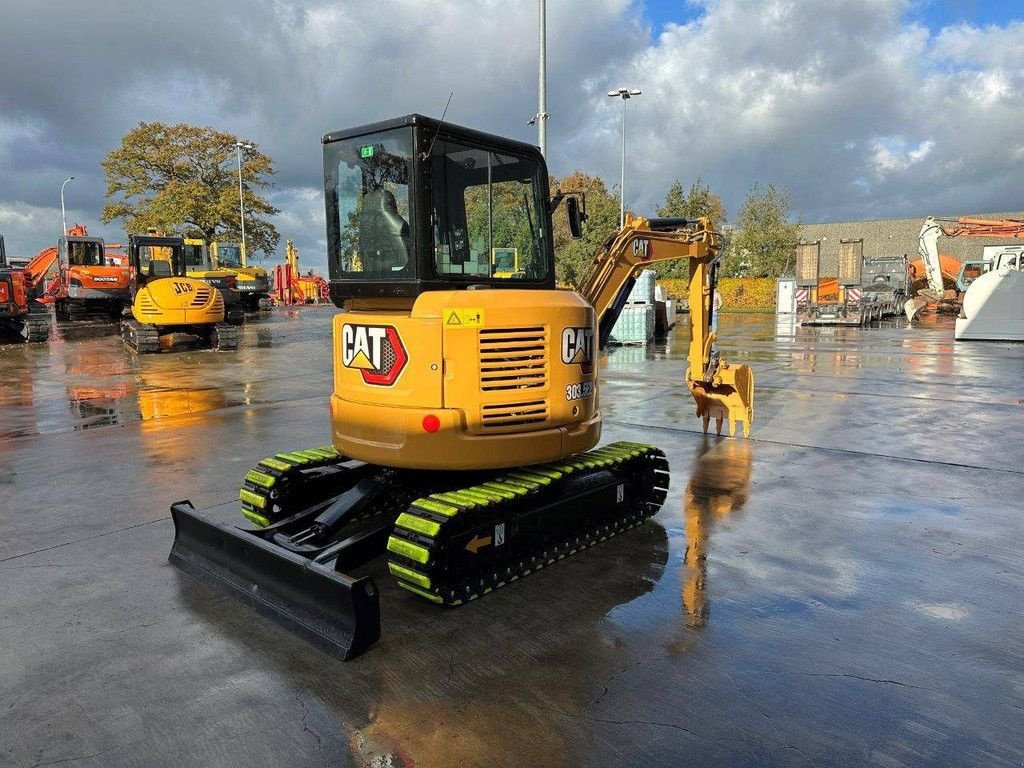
(199, 264)
(465, 412)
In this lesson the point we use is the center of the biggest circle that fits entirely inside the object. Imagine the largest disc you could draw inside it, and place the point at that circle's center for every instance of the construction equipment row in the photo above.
(85, 278)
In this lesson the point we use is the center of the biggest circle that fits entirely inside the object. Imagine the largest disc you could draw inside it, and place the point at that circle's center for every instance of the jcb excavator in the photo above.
(465, 411)
(20, 312)
(167, 303)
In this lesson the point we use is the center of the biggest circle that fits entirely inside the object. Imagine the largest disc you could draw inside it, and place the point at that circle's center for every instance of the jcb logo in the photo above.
(578, 347)
(642, 250)
(180, 288)
(376, 351)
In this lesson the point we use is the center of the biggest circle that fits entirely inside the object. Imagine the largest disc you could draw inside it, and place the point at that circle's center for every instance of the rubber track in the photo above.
(420, 540)
(140, 337)
(35, 328)
(225, 337)
(265, 487)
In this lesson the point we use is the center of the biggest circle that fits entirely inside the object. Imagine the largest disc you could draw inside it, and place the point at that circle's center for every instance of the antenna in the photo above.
(440, 122)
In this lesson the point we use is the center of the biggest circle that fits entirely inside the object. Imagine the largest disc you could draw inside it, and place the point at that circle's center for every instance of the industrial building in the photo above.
(894, 237)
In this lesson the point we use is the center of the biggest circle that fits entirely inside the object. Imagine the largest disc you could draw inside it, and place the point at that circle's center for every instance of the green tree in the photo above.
(184, 178)
(762, 245)
(574, 257)
(698, 201)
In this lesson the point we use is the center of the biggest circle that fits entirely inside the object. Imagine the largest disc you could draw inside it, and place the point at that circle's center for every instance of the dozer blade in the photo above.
(728, 396)
(337, 613)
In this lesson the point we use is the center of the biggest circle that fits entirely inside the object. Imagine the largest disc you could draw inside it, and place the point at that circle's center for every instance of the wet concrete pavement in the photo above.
(842, 589)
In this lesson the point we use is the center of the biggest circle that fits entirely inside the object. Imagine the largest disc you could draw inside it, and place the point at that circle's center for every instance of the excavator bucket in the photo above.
(337, 613)
(729, 396)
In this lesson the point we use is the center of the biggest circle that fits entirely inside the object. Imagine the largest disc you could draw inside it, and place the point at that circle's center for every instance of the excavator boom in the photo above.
(721, 391)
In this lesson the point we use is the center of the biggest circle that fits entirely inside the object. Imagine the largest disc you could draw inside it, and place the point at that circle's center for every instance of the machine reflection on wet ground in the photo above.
(841, 589)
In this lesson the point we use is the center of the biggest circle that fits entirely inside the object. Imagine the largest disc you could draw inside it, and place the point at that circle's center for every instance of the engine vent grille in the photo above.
(202, 296)
(146, 305)
(513, 358)
(514, 415)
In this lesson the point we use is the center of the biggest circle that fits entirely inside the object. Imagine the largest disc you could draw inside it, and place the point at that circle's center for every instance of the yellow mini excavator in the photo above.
(465, 413)
(166, 302)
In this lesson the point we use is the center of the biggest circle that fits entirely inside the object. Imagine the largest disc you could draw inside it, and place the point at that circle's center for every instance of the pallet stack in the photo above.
(636, 323)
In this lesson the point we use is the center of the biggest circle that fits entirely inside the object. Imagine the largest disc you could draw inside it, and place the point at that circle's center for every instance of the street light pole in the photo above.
(63, 215)
(625, 94)
(542, 82)
(541, 118)
(239, 146)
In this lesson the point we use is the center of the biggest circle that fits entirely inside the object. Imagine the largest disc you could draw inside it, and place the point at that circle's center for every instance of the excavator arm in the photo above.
(927, 246)
(721, 391)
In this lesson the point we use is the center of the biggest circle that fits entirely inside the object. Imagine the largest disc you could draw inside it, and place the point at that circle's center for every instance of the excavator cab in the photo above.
(252, 282)
(81, 252)
(92, 283)
(417, 205)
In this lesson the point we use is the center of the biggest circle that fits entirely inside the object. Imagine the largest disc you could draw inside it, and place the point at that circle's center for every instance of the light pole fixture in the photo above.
(63, 215)
(541, 118)
(239, 146)
(625, 94)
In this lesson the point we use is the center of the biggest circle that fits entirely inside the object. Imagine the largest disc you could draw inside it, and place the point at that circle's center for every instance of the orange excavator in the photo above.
(20, 312)
(82, 276)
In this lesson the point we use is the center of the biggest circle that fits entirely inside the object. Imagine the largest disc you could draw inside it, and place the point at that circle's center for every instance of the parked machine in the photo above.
(199, 264)
(20, 312)
(465, 407)
(169, 304)
(992, 306)
(83, 277)
(290, 287)
(864, 291)
(253, 283)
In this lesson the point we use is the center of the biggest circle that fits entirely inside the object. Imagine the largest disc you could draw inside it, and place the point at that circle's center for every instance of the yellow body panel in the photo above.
(178, 301)
(481, 379)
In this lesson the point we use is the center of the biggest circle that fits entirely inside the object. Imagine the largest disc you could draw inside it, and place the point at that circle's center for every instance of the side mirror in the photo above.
(572, 211)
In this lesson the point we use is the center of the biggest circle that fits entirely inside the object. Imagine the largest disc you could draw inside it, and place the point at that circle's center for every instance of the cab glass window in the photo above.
(229, 255)
(159, 261)
(486, 214)
(372, 234)
(85, 254)
(195, 256)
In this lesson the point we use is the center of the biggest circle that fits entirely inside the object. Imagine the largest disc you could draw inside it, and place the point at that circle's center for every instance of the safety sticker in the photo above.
(471, 317)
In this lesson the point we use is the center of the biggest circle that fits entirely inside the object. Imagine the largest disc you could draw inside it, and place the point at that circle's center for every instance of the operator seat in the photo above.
(383, 233)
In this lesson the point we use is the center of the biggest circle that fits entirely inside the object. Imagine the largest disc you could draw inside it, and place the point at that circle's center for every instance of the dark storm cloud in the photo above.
(859, 113)
(280, 73)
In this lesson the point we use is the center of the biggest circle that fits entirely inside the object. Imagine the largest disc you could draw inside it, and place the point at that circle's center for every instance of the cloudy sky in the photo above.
(862, 108)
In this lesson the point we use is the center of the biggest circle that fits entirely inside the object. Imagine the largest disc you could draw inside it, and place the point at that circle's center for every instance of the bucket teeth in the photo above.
(728, 397)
